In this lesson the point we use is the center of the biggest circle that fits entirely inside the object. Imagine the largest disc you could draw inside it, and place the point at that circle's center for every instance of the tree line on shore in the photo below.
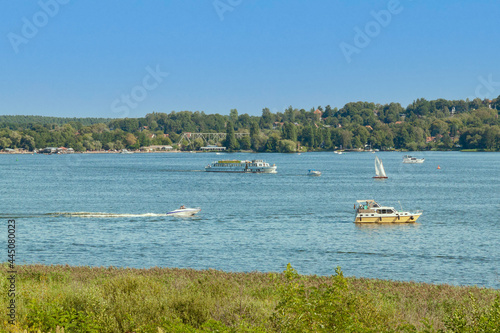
(423, 125)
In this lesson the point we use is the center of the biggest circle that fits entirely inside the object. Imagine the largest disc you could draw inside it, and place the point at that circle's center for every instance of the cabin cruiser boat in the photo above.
(254, 166)
(368, 211)
(410, 159)
(184, 212)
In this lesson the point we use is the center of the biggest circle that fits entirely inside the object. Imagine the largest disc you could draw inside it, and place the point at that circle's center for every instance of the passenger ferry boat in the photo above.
(368, 211)
(254, 166)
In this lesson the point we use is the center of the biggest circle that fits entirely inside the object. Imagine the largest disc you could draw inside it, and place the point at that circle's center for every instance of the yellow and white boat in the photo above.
(368, 211)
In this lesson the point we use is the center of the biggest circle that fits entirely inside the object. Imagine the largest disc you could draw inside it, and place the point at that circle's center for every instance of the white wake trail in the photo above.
(104, 215)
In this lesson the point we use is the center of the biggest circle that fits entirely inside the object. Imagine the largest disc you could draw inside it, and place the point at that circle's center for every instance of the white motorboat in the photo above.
(409, 159)
(125, 151)
(184, 212)
(312, 172)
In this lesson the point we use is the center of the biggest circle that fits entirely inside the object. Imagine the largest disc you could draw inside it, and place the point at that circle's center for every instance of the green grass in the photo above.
(89, 299)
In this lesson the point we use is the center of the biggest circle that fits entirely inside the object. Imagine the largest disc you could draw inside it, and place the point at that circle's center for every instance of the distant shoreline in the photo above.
(95, 152)
(247, 151)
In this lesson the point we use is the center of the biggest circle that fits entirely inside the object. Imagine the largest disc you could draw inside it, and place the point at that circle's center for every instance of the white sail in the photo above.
(379, 168)
(382, 170)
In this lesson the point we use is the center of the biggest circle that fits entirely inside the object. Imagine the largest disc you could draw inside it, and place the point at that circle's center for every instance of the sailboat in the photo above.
(379, 169)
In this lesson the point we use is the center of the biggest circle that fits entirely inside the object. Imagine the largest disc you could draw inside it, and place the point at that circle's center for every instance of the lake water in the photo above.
(108, 209)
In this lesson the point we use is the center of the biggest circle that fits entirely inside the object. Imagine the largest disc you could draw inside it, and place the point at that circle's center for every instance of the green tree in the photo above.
(446, 141)
(245, 143)
(15, 138)
(286, 146)
(230, 142)
(290, 132)
(362, 134)
(267, 118)
(5, 142)
(346, 139)
(402, 138)
(258, 142)
(328, 139)
(307, 136)
(255, 140)
(196, 144)
(357, 142)
(28, 142)
(233, 115)
(439, 127)
(130, 140)
(272, 144)
(289, 115)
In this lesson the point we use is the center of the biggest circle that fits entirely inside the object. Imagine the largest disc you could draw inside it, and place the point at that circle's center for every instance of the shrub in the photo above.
(49, 316)
(469, 318)
(329, 307)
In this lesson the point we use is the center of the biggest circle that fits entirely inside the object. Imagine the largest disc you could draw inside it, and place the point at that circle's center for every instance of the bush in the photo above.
(49, 316)
(469, 318)
(330, 307)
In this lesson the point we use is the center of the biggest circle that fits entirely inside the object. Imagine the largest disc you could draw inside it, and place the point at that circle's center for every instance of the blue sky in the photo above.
(128, 58)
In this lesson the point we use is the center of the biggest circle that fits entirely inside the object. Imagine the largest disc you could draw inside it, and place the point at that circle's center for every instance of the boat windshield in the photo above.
(368, 204)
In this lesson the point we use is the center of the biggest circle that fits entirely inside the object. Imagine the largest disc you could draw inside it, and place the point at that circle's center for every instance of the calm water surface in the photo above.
(102, 210)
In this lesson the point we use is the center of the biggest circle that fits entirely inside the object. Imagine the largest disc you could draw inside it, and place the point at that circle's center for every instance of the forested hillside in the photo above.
(24, 120)
(437, 124)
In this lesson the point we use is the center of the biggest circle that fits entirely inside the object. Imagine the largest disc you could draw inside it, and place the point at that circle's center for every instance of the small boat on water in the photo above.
(368, 211)
(312, 172)
(125, 151)
(379, 169)
(184, 212)
(254, 166)
(409, 159)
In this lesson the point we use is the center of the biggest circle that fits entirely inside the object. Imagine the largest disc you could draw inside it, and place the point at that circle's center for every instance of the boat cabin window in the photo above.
(385, 211)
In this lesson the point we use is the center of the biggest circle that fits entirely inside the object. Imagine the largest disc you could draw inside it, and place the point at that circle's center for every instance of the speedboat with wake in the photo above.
(184, 212)
(312, 172)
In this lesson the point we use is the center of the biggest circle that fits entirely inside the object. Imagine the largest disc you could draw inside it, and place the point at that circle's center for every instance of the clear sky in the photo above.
(128, 58)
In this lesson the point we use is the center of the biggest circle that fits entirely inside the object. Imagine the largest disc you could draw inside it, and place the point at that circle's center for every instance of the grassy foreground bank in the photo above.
(88, 299)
